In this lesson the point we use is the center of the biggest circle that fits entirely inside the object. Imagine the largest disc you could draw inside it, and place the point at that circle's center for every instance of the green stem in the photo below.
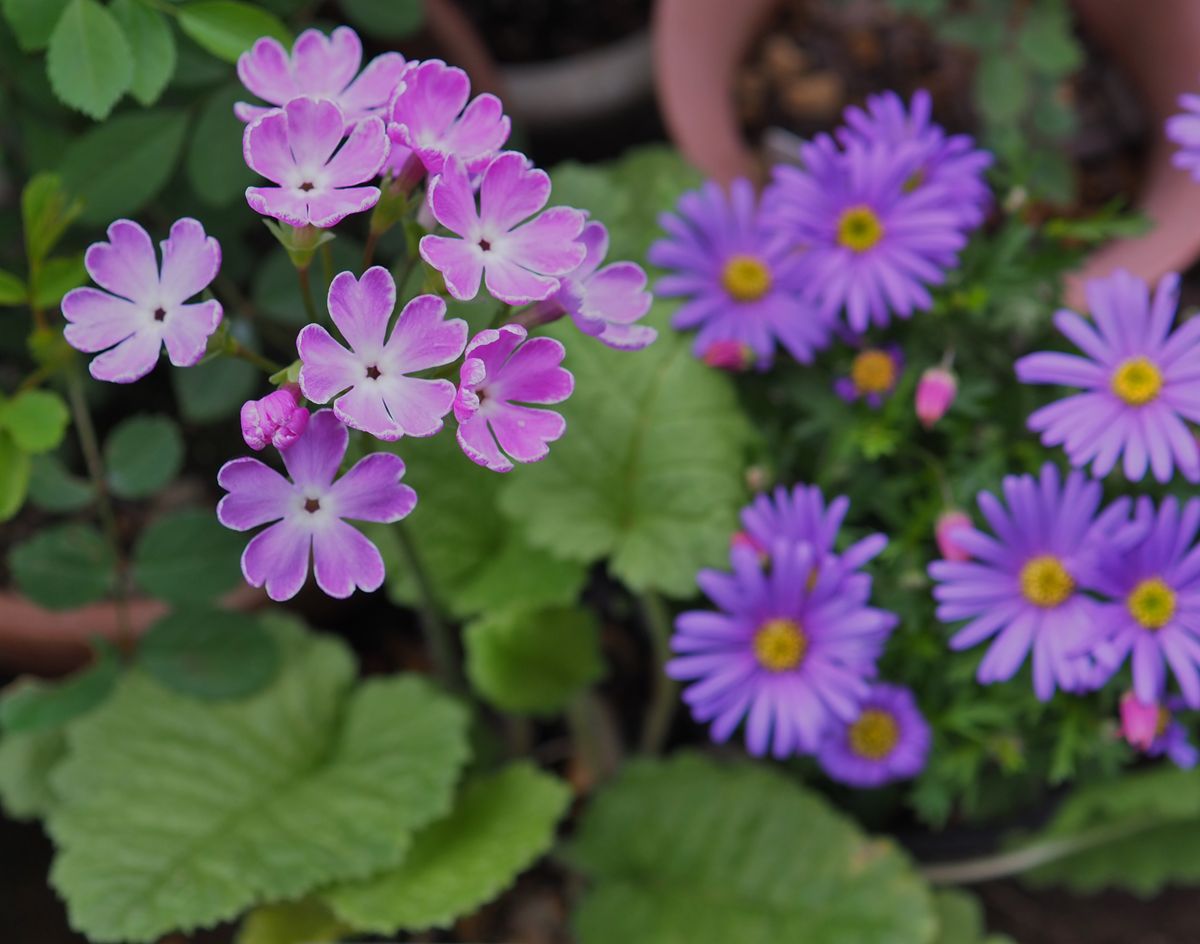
(597, 744)
(238, 349)
(438, 638)
(657, 725)
(306, 294)
(369, 250)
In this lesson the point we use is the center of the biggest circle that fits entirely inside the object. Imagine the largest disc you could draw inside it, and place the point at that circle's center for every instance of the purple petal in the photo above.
(186, 329)
(510, 283)
(190, 261)
(289, 206)
(372, 491)
(423, 338)
(361, 157)
(257, 494)
(344, 559)
(524, 432)
(265, 70)
(361, 309)
(323, 66)
(476, 440)
(266, 149)
(452, 201)
(130, 360)
(329, 209)
(373, 87)
(312, 460)
(278, 559)
(327, 367)
(548, 243)
(314, 129)
(125, 265)
(98, 320)
(511, 191)
(460, 263)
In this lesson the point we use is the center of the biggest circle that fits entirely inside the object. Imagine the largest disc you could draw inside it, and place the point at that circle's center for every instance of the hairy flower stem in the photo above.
(657, 724)
(438, 637)
(306, 294)
(239, 350)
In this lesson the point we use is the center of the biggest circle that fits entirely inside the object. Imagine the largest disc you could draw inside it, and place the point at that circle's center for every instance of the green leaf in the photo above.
(142, 455)
(33, 21)
(960, 919)
(53, 488)
(210, 654)
(188, 557)
(1047, 39)
(178, 813)
(153, 44)
(385, 19)
(119, 166)
(89, 61)
(64, 566)
(34, 704)
(215, 165)
(307, 921)
(14, 476)
(26, 761)
(227, 28)
(1002, 88)
(214, 390)
(689, 851)
(499, 826)
(12, 289)
(46, 212)
(57, 277)
(533, 662)
(36, 419)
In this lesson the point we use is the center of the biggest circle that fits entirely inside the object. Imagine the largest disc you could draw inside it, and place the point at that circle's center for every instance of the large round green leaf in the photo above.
(89, 61)
(188, 557)
(143, 454)
(65, 566)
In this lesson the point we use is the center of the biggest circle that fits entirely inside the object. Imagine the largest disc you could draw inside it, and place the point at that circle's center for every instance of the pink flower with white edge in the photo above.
(308, 511)
(430, 115)
(294, 147)
(380, 397)
(322, 67)
(501, 367)
(147, 308)
(948, 523)
(519, 262)
(935, 392)
(277, 419)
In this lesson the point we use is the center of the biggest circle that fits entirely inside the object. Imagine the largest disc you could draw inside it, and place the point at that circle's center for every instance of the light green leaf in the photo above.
(14, 476)
(500, 825)
(36, 419)
(188, 557)
(960, 920)
(215, 165)
(227, 28)
(210, 654)
(57, 277)
(178, 813)
(142, 455)
(689, 852)
(64, 566)
(533, 662)
(307, 921)
(32, 704)
(1002, 88)
(153, 46)
(89, 61)
(53, 488)
(385, 19)
(119, 166)
(46, 212)
(12, 289)
(33, 21)
(1047, 39)
(26, 761)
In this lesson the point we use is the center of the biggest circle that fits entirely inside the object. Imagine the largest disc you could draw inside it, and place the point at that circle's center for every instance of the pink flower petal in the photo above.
(329, 209)
(312, 460)
(125, 265)
(452, 200)
(511, 192)
(423, 338)
(372, 490)
(361, 309)
(627, 337)
(533, 374)
(362, 407)
(247, 113)
(290, 206)
(322, 65)
(492, 346)
(548, 243)
(510, 283)
(476, 441)
(314, 129)
(524, 432)
(344, 559)
(617, 293)
(327, 367)
(190, 261)
(595, 243)
(265, 70)
(98, 320)
(373, 87)
(266, 149)
(278, 558)
(186, 330)
(417, 405)
(130, 360)
(479, 133)
(460, 263)
(361, 157)
(257, 494)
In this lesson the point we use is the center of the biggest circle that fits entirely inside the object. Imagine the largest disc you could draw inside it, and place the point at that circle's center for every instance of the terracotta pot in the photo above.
(698, 45)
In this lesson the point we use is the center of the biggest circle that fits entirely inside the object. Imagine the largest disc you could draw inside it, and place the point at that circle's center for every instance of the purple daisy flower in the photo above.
(381, 398)
(949, 163)
(801, 515)
(429, 115)
(294, 146)
(500, 367)
(873, 376)
(146, 308)
(888, 740)
(519, 262)
(308, 512)
(873, 246)
(277, 419)
(1024, 586)
(1184, 130)
(604, 302)
(1141, 381)
(790, 653)
(1155, 616)
(320, 66)
(738, 277)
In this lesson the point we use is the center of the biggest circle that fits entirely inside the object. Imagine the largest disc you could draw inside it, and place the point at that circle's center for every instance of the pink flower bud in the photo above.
(278, 419)
(1140, 722)
(948, 522)
(728, 355)
(935, 392)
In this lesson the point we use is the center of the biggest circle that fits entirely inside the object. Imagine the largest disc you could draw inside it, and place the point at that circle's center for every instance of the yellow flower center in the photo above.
(780, 645)
(873, 371)
(746, 279)
(859, 228)
(1045, 581)
(874, 734)
(1152, 603)
(1137, 381)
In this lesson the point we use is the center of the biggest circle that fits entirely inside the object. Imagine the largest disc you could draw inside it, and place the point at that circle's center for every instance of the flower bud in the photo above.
(948, 522)
(277, 419)
(1140, 722)
(728, 355)
(935, 392)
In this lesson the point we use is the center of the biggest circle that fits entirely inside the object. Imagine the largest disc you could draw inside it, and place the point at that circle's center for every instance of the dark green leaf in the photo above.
(14, 476)
(385, 19)
(53, 488)
(64, 566)
(153, 44)
(214, 390)
(143, 454)
(12, 289)
(46, 212)
(36, 419)
(215, 165)
(34, 704)
(210, 654)
(89, 61)
(33, 21)
(1047, 39)
(1002, 88)
(227, 28)
(188, 557)
(57, 277)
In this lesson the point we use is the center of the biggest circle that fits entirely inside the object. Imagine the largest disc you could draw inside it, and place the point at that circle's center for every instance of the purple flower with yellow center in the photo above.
(142, 308)
(1140, 381)
(294, 148)
(874, 373)
(1024, 584)
(320, 66)
(801, 515)
(308, 512)
(1184, 130)
(872, 245)
(380, 397)
(888, 740)
(518, 261)
(790, 652)
(738, 277)
(949, 163)
(1155, 616)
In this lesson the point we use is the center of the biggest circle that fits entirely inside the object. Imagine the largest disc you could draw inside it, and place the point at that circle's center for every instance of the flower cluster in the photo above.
(335, 140)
